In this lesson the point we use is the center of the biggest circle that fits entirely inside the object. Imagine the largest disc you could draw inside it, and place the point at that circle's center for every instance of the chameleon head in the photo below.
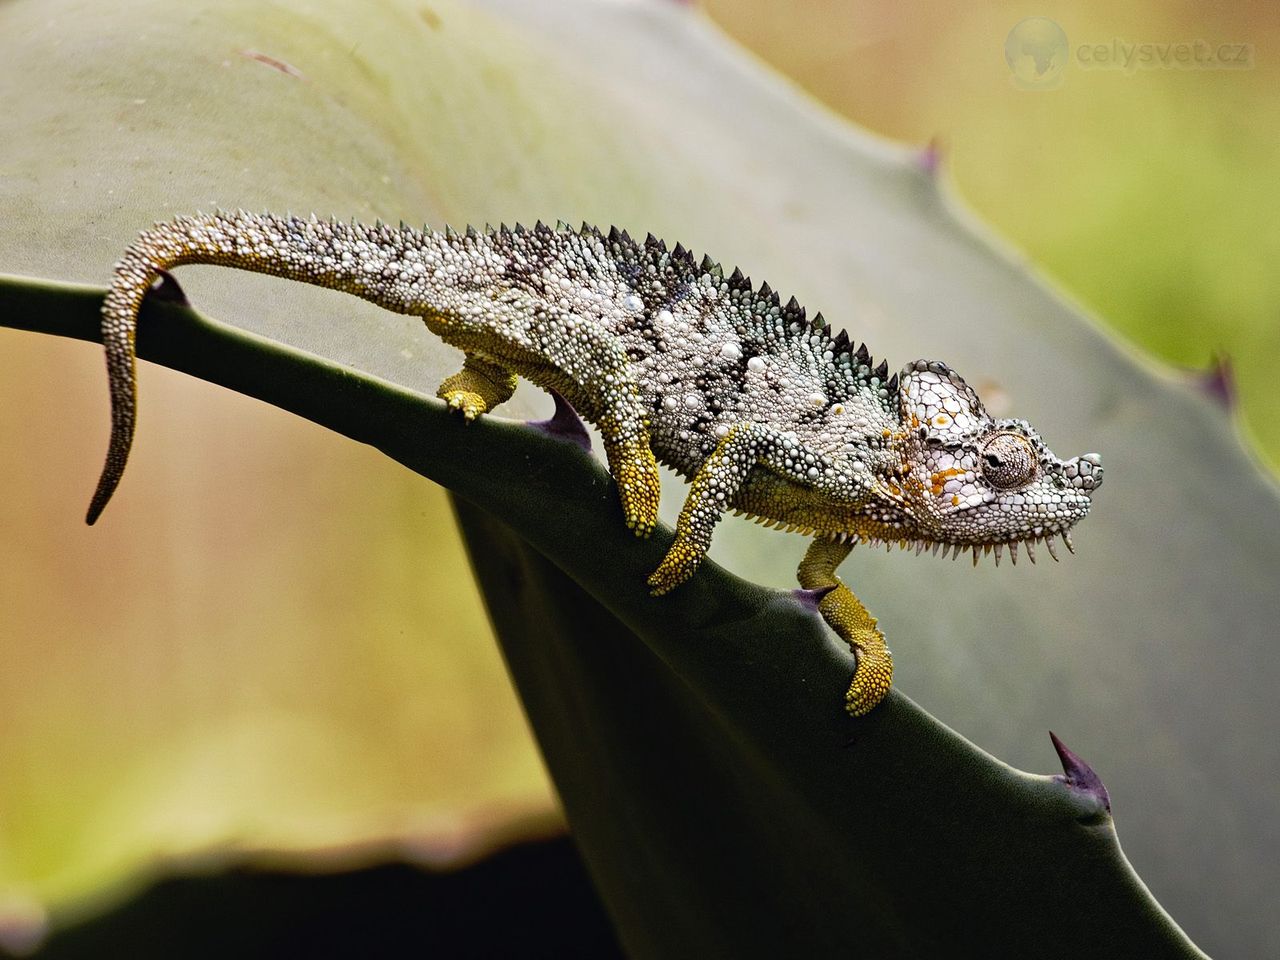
(977, 481)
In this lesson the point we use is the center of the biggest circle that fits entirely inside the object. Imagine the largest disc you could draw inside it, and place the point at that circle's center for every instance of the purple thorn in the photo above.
(930, 158)
(565, 424)
(1079, 775)
(1219, 381)
(811, 598)
(166, 288)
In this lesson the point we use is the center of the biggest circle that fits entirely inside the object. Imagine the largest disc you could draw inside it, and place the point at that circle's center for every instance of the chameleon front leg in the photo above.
(718, 480)
(846, 615)
(478, 387)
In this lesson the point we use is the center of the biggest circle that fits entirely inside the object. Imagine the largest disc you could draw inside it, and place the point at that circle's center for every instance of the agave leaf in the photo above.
(724, 804)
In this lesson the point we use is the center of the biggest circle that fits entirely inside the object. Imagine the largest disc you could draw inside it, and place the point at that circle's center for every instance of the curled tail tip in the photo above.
(108, 480)
(101, 497)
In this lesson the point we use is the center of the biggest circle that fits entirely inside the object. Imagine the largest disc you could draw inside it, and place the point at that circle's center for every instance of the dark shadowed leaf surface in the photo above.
(549, 909)
(683, 733)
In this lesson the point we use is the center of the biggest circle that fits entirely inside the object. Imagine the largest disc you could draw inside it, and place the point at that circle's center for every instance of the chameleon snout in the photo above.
(1084, 472)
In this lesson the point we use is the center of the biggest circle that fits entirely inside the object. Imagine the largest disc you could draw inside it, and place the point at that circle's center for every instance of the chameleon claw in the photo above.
(659, 584)
(872, 679)
(680, 563)
(640, 528)
(470, 405)
(477, 388)
(636, 472)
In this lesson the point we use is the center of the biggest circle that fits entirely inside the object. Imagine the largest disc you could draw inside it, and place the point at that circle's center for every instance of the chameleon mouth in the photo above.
(978, 550)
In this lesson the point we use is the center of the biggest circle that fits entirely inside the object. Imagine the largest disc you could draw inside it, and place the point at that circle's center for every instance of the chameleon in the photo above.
(765, 412)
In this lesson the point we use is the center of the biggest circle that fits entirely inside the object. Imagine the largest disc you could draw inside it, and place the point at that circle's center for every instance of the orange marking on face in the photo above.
(887, 434)
(938, 480)
(915, 422)
(955, 500)
(941, 420)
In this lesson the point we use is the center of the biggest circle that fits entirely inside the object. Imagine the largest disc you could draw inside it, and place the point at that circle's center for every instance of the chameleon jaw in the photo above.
(978, 550)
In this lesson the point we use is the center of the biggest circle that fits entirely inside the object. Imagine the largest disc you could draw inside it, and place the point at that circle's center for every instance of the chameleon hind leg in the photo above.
(590, 370)
(846, 615)
(478, 387)
(634, 469)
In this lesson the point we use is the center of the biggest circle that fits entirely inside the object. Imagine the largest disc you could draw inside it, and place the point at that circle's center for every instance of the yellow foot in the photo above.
(478, 387)
(635, 471)
(677, 566)
(846, 615)
(873, 676)
(470, 404)
(871, 680)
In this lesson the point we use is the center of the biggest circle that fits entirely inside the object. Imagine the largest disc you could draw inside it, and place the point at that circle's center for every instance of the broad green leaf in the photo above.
(724, 804)
(1148, 654)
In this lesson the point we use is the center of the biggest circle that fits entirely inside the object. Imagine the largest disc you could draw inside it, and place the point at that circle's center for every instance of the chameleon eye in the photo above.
(1008, 461)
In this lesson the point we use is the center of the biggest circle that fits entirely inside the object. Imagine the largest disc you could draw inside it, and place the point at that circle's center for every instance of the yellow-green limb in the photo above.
(714, 486)
(590, 370)
(478, 387)
(846, 615)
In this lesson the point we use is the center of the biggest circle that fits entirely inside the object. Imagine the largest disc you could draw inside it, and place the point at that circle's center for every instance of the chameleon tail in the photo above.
(165, 245)
(134, 275)
(307, 250)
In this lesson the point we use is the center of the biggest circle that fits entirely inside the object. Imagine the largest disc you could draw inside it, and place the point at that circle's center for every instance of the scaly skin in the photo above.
(768, 413)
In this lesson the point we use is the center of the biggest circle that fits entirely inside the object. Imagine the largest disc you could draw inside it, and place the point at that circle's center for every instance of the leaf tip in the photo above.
(930, 158)
(1219, 381)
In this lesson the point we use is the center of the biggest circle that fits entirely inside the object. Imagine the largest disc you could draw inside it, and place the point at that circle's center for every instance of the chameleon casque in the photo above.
(767, 412)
